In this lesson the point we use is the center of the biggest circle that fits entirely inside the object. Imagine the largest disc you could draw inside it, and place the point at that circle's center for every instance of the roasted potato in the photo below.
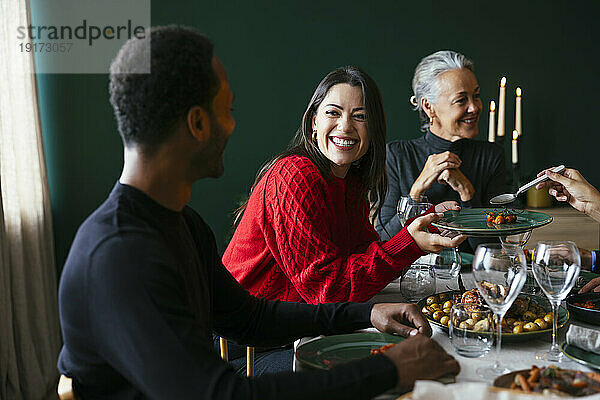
(541, 323)
(431, 300)
(438, 315)
(445, 320)
(465, 325)
(531, 327)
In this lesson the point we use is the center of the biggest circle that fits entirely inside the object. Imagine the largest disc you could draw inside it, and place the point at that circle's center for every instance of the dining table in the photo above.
(515, 355)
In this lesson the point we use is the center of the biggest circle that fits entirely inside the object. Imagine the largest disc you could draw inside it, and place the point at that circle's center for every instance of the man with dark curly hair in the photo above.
(143, 288)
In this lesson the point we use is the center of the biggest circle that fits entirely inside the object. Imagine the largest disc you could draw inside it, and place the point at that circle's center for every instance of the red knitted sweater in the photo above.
(305, 239)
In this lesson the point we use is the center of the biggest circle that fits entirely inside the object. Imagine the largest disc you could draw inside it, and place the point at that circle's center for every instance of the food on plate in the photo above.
(553, 380)
(590, 304)
(382, 349)
(525, 315)
(501, 217)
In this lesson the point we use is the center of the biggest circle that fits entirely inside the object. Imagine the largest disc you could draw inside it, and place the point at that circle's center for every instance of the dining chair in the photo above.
(65, 389)
(249, 356)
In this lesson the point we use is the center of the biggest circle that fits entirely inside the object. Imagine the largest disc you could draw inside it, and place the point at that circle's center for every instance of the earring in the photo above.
(430, 121)
(314, 135)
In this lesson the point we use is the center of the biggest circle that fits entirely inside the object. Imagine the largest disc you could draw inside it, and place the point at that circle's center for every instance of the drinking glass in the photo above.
(446, 264)
(409, 207)
(500, 272)
(417, 282)
(471, 329)
(521, 239)
(556, 267)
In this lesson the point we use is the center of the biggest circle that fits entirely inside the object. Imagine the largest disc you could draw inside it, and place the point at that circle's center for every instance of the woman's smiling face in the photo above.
(341, 125)
(458, 105)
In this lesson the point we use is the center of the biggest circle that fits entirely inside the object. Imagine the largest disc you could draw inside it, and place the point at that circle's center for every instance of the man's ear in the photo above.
(198, 123)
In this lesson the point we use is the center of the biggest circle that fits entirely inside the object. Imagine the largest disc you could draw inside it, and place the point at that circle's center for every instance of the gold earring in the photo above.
(314, 135)
(430, 121)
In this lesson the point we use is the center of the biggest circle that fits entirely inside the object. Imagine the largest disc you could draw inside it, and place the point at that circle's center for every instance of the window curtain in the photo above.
(29, 329)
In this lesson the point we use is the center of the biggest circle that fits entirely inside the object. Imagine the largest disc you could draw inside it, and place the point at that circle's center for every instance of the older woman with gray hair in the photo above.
(445, 163)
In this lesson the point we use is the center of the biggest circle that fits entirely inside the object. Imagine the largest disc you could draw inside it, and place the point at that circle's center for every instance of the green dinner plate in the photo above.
(587, 358)
(329, 351)
(563, 317)
(473, 222)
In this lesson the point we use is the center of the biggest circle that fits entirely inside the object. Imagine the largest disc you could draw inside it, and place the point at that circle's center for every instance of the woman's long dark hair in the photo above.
(370, 169)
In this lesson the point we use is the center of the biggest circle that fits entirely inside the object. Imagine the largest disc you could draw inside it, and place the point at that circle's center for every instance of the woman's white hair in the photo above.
(425, 82)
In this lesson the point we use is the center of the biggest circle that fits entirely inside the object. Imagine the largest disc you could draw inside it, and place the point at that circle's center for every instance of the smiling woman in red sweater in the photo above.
(304, 234)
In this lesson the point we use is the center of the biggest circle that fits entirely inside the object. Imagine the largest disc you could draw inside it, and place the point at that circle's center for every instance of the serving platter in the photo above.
(473, 222)
(563, 317)
(328, 351)
(506, 382)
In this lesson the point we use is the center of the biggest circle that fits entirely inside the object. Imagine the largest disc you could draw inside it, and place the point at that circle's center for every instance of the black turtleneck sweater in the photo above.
(482, 164)
(142, 290)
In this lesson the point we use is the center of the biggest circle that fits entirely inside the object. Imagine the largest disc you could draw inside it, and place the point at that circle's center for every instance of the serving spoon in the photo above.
(510, 197)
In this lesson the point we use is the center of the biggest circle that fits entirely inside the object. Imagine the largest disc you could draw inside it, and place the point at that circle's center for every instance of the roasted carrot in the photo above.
(534, 375)
(522, 382)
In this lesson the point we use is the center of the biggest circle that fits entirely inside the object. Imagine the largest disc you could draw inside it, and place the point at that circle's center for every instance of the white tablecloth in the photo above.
(519, 355)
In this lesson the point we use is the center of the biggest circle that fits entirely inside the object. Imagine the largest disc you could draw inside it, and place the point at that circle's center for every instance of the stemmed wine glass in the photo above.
(409, 207)
(521, 239)
(500, 272)
(556, 267)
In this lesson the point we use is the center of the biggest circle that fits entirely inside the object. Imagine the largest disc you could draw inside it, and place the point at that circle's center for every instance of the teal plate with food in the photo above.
(328, 351)
(581, 356)
(474, 222)
(532, 314)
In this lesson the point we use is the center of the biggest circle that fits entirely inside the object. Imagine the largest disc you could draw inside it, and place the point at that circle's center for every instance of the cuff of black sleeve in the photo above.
(595, 261)
(465, 204)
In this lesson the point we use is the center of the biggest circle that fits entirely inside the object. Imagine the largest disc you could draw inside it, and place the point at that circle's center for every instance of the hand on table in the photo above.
(420, 357)
(431, 242)
(572, 187)
(434, 166)
(399, 318)
(593, 285)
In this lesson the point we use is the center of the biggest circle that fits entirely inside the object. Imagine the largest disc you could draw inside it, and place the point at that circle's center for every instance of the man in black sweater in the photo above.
(143, 288)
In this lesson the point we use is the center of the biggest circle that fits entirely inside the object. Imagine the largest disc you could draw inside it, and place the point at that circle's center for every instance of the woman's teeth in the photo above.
(343, 142)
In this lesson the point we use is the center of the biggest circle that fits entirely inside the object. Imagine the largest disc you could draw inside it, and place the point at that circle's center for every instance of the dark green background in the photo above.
(276, 53)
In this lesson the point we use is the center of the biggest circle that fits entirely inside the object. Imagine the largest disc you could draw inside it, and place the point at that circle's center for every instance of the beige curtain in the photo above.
(29, 330)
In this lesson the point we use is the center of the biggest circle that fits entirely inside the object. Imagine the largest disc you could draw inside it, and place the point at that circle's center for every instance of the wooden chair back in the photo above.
(249, 356)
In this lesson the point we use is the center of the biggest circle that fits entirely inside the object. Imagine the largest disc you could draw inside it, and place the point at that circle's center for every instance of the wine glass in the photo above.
(556, 267)
(409, 207)
(521, 239)
(500, 272)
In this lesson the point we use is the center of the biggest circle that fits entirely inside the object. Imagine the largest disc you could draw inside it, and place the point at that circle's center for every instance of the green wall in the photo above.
(276, 53)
